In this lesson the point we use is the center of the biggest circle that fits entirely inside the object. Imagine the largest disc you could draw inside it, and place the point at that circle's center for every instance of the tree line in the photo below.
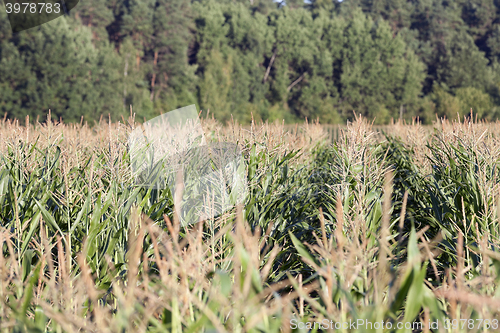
(257, 58)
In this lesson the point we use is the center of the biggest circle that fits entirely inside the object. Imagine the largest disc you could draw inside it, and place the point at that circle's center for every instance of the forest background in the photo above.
(257, 58)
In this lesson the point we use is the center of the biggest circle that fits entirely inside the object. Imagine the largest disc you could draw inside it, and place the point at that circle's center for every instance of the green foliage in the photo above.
(468, 101)
(447, 105)
(379, 73)
(476, 101)
(55, 66)
(231, 43)
(270, 60)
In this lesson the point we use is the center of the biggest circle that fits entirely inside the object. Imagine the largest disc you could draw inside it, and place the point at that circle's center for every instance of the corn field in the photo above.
(341, 225)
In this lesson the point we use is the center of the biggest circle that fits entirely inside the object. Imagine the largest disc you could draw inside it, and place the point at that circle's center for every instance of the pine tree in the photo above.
(172, 79)
(232, 42)
(479, 17)
(380, 74)
(135, 21)
(97, 15)
(55, 66)
(302, 65)
(463, 64)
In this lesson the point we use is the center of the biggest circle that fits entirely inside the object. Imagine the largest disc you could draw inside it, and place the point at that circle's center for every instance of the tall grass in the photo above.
(402, 228)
